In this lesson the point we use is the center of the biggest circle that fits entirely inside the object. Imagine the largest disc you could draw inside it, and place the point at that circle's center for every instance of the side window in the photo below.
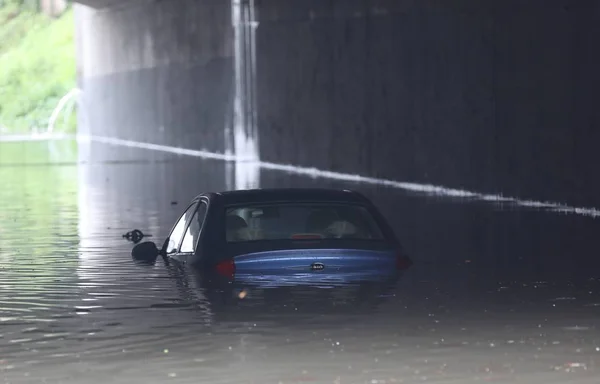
(179, 229)
(193, 231)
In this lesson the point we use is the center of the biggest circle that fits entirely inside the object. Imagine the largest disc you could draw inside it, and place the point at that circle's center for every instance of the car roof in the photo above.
(291, 194)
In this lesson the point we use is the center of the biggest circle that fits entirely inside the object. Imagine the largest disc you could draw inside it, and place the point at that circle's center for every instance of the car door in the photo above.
(187, 233)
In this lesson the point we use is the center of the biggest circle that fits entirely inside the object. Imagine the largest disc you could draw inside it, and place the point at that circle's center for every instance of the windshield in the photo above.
(300, 221)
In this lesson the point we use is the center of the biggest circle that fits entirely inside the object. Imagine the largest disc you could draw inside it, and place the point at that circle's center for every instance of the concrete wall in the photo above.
(157, 71)
(495, 96)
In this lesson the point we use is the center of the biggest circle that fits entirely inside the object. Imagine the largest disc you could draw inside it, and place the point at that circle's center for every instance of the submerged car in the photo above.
(278, 237)
(239, 301)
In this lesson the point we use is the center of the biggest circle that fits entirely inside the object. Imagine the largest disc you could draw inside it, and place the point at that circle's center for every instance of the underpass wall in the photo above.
(491, 96)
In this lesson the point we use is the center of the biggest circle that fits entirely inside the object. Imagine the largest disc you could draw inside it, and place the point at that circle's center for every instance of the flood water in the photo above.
(497, 293)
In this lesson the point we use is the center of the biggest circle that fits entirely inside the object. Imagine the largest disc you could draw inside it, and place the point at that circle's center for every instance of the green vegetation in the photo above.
(37, 67)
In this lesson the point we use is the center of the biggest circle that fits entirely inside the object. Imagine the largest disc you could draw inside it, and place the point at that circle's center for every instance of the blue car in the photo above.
(225, 300)
(283, 237)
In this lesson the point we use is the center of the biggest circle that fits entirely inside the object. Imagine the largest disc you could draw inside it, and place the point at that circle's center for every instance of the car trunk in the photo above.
(313, 266)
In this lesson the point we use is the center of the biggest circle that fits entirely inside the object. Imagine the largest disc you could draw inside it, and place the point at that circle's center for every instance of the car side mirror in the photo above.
(146, 251)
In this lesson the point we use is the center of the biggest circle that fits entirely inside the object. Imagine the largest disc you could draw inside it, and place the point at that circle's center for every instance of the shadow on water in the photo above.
(495, 293)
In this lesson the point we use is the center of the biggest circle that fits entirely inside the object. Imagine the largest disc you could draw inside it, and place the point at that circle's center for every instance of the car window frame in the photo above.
(195, 246)
(168, 239)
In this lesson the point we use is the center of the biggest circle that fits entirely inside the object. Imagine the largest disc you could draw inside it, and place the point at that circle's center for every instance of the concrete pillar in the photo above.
(158, 71)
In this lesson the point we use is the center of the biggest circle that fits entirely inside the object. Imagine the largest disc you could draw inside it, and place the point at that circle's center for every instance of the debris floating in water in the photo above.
(135, 236)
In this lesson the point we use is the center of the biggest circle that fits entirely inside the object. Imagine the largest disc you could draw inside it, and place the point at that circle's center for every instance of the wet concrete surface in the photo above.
(498, 293)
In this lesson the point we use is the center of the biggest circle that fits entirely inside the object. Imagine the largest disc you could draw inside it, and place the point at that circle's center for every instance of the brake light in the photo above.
(403, 261)
(226, 268)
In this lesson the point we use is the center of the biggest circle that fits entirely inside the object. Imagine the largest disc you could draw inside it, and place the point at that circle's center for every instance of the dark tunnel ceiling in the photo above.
(100, 4)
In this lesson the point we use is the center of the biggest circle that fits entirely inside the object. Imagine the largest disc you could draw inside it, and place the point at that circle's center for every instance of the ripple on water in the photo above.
(73, 307)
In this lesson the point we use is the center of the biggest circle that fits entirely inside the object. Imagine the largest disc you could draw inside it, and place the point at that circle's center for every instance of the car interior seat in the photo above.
(236, 228)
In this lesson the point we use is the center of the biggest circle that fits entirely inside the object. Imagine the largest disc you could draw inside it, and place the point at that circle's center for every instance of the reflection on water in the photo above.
(501, 296)
(38, 221)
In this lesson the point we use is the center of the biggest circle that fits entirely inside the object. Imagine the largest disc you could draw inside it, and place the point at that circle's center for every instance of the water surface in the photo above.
(497, 294)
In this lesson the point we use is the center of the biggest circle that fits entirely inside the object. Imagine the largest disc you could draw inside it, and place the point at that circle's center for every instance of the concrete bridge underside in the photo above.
(102, 4)
(495, 96)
